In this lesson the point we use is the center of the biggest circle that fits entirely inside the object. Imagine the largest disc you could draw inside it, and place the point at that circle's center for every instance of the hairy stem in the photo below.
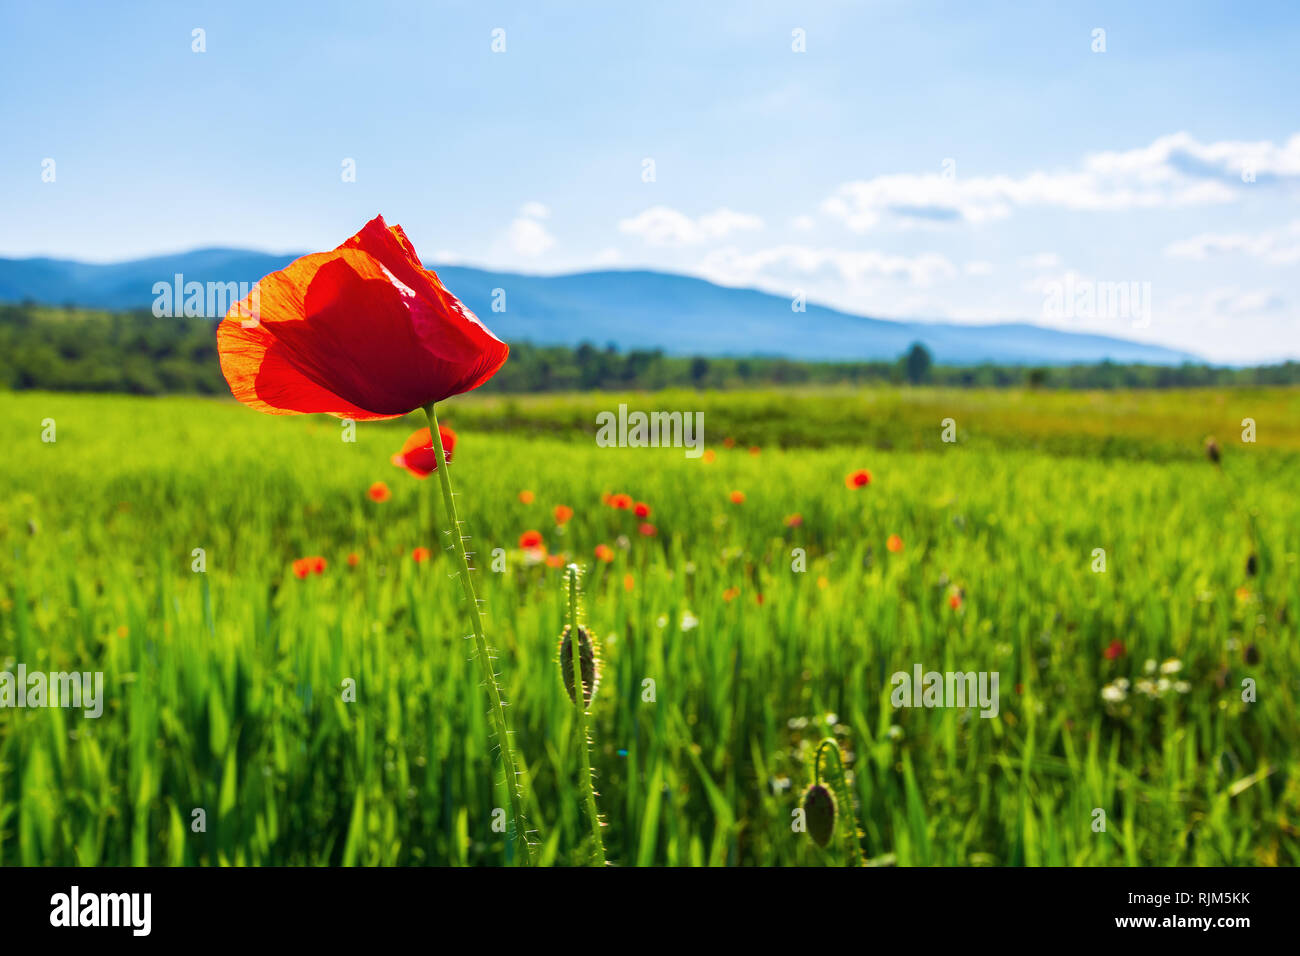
(497, 709)
(847, 821)
(584, 744)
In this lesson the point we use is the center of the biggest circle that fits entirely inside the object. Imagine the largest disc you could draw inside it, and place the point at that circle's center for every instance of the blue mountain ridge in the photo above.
(632, 309)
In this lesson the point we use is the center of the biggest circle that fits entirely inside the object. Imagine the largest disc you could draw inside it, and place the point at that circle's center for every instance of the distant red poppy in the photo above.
(530, 539)
(648, 529)
(1113, 650)
(728, 442)
(629, 582)
(642, 510)
(954, 601)
(526, 497)
(620, 501)
(362, 332)
(737, 497)
(709, 456)
(379, 491)
(605, 553)
(419, 555)
(417, 455)
(562, 514)
(303, 567)
(730, 594)
(353, 559)
(858, 479)
(894, 543)
(794, 520)
(555, 560)
(754, 449)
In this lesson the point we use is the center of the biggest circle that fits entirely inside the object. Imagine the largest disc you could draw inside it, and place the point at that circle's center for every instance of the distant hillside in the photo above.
(631, 309)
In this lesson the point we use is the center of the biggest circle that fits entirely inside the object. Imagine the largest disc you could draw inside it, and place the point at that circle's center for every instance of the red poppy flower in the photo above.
(954, 601)
(620, 501)
(629, 582)
(858, 478)
(530, 539)
(737, 497)
(728, 443)
(562, 514)
(648, 529)
(420, 555)
(301, 567)
(353, 559)
(605, 553)
(362, 332)
(379, 491)
(417, 455)
(894, 543)
(1113, 650)
(555, 560)
(642, 510)
(526, 497)
(730, 594)
(794, 520)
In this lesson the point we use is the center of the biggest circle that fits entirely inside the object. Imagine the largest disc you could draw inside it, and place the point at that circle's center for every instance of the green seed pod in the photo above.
(819, 813)
(587, 659)
(1212, 450)
(1252, 564)
(1252, 654)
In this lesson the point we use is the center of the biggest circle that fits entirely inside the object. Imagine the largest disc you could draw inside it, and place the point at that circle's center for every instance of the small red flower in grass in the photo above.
(794, 520)
(419, 555)
(303, 567)
(730, 594)
(1113, 650)
(629, 582)
(737, 497)
(642, 510)
(379, 492)
(562, 514)
(417, 455)
(556, 560)
(362, 332)
(648, 529)
(728, 443)
(894, 543)
(858, 479)
(605, 553)
(954, 601)
(526, 496)
(530, 540)
(709, 456)
(754, 450)
(354, 559)
(620, 501)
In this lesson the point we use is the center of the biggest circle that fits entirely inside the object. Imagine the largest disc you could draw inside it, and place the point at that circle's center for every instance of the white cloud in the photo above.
(1274, 246)
(1173, 171)
(802, 223)
(535, 210)
(733, 267)
(529, 238)
(663, 226)
(1041, 260)
(978, 268)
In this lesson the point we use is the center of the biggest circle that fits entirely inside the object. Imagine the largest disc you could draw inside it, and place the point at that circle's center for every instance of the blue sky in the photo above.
(962, 161)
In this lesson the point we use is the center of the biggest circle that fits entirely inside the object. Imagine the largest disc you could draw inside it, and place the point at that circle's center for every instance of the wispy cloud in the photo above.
(664, 226)
(1173, 171)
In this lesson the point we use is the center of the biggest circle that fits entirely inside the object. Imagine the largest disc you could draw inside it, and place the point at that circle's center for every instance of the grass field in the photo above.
(224, 688)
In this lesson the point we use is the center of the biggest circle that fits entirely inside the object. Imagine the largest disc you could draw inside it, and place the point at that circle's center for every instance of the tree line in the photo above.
(65, 349)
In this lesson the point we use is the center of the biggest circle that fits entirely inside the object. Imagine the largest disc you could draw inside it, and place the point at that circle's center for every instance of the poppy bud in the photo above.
(1252, 564)
(1212, 450)
(819, 813)
(1252, 654)
(586, 659)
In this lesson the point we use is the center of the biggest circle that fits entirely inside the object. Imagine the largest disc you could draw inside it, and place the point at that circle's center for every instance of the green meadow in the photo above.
(338, 719)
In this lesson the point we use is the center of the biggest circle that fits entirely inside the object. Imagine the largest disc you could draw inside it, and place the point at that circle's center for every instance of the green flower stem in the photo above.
(847, 820)
(598, 844)
(497, 710)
